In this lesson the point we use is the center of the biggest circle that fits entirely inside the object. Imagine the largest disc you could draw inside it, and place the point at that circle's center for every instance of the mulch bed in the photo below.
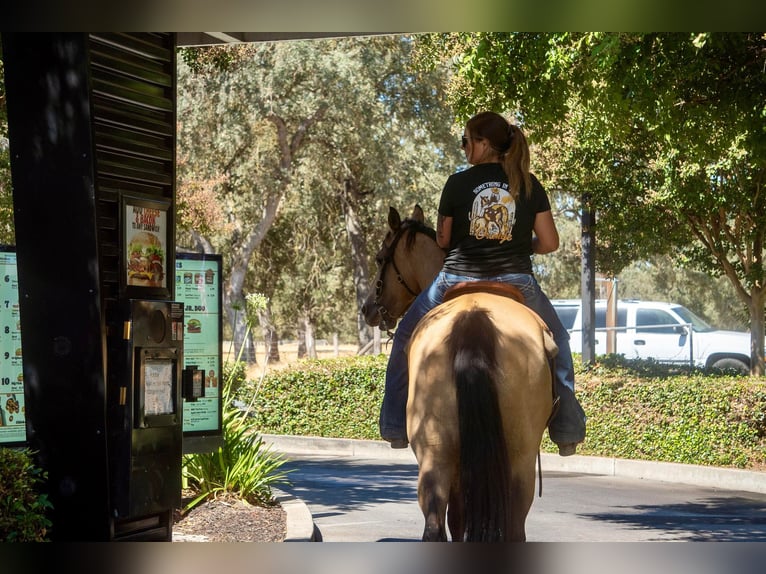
(229, 519)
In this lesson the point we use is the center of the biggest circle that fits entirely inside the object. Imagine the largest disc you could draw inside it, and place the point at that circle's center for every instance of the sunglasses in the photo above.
(464, 141)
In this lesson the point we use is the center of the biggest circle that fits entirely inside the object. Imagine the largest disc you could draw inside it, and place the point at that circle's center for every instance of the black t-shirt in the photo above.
(491, 233)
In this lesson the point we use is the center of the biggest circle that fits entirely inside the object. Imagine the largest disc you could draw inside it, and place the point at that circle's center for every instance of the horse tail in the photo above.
(484, 463)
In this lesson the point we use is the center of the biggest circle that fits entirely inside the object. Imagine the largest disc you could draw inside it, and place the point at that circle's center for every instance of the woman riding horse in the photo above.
(480, 391)
(492, 218)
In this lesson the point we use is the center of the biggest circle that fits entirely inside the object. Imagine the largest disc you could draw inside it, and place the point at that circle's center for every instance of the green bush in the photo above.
(235, 374)
(321, 397)
(647, 411)
(636, 409)
(22, 508)
(243, 466)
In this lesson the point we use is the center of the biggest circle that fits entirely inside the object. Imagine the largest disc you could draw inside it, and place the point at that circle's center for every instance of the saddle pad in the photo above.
(494, 287)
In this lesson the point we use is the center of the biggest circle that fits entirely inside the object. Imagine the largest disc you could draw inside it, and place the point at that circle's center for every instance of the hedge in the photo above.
(636, 410)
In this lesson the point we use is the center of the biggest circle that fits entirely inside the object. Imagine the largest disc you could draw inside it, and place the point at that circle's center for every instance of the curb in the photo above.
(696, 475)
(300, 523)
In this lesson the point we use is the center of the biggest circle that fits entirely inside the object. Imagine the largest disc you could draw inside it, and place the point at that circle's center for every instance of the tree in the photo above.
(391, 130)
(250, 133)
(379, 139)
(7, 233)
(665, 131)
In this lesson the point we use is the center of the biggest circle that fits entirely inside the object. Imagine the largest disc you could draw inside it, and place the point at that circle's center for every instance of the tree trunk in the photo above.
(757, 301)
(311, 345)
(270, 338)
(234, 305)
(243, 340)
(359, 257)
(301, 339)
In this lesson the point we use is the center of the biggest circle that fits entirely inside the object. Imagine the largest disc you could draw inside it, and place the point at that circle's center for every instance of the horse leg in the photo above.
(432, 496)
(522, 495)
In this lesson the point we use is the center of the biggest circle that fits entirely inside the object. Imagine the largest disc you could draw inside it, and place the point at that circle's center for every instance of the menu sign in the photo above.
(198, 286)
(12, 408)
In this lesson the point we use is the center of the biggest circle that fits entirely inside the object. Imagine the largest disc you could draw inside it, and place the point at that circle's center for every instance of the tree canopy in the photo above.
(306, 143)
(665, 131)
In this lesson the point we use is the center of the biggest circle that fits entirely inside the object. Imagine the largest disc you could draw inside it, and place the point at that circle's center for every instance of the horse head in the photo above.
(407, 262)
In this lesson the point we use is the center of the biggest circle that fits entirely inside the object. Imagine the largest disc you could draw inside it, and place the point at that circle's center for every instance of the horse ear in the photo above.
(417, 214)
(394, 220)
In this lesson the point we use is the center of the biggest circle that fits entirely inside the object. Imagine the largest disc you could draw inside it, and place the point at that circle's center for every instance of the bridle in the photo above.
(387, 257)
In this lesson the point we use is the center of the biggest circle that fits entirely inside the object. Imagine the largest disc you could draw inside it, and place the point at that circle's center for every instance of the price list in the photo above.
(12, 408)
(198, 287)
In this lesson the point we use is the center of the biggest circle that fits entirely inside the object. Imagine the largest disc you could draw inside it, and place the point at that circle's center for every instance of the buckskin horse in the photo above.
(480, 390)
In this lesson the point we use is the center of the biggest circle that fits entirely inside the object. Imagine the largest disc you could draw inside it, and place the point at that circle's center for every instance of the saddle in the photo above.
(493, 287)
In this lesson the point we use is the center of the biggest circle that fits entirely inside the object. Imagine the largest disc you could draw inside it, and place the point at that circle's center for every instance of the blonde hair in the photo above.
(510, 143)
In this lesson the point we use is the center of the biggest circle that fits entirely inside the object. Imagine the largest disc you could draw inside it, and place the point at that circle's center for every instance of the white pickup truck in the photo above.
(665, 332)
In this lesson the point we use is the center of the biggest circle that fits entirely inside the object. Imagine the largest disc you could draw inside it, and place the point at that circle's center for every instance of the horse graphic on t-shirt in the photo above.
(490, 218)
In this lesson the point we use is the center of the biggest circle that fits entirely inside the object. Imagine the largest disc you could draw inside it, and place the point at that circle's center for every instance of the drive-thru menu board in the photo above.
(12, 409)
(198, 286)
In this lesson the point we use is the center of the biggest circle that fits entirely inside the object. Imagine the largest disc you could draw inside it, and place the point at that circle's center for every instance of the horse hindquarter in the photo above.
(501, 416)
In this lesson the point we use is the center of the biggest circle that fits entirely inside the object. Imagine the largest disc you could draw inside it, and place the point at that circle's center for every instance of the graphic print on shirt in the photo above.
(493, 213)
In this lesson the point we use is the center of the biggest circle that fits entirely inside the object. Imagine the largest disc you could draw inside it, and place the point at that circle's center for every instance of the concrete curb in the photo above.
(300, 523)
(704, 476)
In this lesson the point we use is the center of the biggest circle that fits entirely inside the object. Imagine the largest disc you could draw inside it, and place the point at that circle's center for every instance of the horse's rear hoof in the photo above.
(434, 534)
(567, 449)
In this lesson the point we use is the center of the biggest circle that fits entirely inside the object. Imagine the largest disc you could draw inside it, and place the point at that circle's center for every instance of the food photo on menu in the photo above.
(194, 326)
(145, 236)
(146, 260)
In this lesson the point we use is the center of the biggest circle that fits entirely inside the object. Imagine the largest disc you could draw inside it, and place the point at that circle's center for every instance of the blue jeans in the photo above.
(569, 423)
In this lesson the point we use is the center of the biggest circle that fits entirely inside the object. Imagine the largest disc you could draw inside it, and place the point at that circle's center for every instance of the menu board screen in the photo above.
(12, 407)
(198, 286)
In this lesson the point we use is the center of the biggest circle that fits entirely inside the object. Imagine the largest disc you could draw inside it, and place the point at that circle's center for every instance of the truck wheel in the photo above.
(728, 364)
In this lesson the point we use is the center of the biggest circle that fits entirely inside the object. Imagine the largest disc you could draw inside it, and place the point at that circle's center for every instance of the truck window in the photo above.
(647, 317)
(567, 316)
(622, 317)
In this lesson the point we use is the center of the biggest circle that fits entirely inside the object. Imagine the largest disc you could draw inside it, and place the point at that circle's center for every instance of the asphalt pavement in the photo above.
(363, 491)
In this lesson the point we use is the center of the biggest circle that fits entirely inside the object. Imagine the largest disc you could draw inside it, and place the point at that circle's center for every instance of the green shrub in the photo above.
(321, 397)
(22, 508)
(636, 409)
(235, 374)
(243, 466)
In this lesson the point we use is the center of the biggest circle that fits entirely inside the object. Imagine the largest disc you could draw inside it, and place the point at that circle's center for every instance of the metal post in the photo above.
(588, 284)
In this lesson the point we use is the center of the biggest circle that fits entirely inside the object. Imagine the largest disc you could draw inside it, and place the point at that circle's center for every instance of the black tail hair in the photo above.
(484, 462)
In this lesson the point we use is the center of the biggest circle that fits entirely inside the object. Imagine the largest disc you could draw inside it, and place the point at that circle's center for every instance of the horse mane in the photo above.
(413, 227)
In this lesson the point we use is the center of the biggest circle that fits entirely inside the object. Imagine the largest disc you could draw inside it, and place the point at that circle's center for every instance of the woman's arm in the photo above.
(546, 238)
(443, 231)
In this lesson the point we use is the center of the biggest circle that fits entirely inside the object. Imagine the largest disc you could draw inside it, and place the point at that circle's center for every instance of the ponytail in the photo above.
(516, 163)
(510, 145)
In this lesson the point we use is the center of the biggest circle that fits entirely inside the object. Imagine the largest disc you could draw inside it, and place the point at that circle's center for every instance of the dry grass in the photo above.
(288, 355)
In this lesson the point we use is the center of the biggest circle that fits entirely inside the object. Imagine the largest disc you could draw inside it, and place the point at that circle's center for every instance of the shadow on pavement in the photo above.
(720, 519)
(349, 485)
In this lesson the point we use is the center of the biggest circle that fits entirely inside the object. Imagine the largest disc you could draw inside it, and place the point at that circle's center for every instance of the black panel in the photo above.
(91, 119)
(133, 105)
(59, 293)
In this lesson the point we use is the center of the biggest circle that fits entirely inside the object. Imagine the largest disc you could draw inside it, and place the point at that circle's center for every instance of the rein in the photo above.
(408, 226)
